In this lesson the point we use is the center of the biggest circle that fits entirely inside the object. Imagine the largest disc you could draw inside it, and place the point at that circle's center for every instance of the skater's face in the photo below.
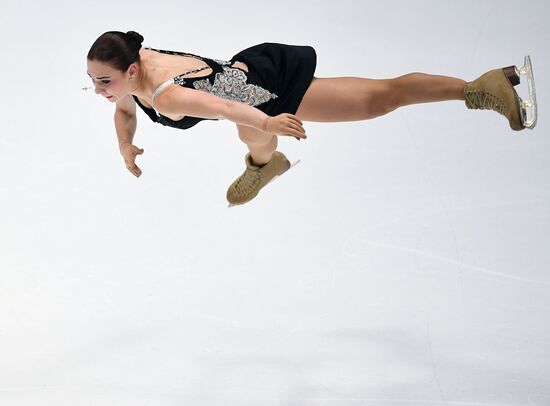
(111, 83)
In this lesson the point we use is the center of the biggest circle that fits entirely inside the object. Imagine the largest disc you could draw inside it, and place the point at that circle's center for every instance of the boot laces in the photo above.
(248, 182)
(481, 100)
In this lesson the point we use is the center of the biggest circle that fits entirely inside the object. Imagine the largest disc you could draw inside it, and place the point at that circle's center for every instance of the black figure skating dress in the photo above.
(278, 77)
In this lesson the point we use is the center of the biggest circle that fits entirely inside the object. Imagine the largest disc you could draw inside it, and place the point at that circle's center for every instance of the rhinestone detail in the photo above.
(231, 84)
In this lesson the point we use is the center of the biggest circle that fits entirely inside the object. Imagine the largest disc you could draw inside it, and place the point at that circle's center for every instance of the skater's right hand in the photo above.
(129, 153)
(286, 124)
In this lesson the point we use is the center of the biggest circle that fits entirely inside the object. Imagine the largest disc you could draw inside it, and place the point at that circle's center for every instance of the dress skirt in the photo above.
(285, 70)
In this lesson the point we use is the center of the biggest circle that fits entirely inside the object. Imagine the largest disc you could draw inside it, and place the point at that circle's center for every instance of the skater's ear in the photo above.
(132, 69)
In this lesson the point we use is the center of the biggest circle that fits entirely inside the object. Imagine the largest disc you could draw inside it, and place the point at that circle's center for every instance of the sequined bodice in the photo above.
(224, 81)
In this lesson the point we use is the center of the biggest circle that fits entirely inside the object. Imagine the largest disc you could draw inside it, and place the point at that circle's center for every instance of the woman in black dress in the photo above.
(267, 90)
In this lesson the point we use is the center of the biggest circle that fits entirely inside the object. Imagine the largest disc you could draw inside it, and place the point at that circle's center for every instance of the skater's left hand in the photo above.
(286, 124)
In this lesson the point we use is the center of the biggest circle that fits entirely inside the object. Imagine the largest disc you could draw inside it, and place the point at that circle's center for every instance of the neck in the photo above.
(142, 89)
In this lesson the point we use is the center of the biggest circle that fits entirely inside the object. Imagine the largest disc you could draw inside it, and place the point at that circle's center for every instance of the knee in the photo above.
(384, 100)
(404, 86)
(396, 92)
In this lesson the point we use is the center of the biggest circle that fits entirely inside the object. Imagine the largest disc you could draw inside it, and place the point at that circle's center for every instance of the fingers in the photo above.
(287, 124)
(296, 134)
(293, 126)
(129, 153)
(134, 170)
(299, 129)
(296, 130)
(294, 121)
(293, 117)
(130, 161)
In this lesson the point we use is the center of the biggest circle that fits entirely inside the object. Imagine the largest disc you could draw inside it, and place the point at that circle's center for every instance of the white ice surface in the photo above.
(405, 261)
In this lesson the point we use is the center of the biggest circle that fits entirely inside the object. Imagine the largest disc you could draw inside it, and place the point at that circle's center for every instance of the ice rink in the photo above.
(404, 261)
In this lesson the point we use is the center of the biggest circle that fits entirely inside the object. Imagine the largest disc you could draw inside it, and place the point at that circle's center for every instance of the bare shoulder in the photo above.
(126, 105)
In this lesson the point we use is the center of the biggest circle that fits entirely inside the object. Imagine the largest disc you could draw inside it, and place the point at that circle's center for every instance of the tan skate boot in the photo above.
(254, 178)
(494, 90)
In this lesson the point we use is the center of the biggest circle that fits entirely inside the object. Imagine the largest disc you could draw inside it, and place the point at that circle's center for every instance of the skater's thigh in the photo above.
(345, 99)
(253, 136)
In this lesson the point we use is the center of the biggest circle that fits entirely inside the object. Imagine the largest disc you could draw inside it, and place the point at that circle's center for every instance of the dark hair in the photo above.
(117, 49)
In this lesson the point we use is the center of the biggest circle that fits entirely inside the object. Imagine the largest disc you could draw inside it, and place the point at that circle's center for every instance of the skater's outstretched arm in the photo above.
(125, 126)
(177, 100)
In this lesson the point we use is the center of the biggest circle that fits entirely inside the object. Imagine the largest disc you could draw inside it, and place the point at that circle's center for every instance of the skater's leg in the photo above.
(260, 144)
(263, 163)
(424, 88)
(353, 98)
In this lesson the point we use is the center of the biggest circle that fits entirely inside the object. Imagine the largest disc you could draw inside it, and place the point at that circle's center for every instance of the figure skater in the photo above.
(268, 90)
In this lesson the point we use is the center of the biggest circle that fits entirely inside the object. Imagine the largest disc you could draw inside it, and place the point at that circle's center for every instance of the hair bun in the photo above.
(135, 37)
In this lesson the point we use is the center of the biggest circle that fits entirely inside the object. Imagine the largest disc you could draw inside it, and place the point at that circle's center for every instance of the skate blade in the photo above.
(292, 165)
(528, 107)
